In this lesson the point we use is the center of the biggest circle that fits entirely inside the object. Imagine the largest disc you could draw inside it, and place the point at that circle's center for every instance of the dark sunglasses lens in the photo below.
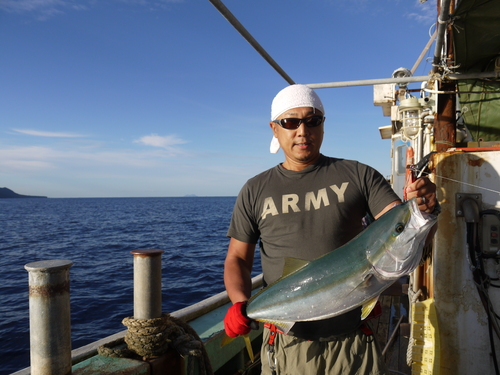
(290, 123)
(313, 121)
(294, 123)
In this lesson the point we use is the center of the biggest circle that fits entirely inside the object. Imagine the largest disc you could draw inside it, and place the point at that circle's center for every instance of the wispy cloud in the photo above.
(44, 9)
(156, 140)
(425, 13)
(38, 133)
(26, 158)
(39, 158)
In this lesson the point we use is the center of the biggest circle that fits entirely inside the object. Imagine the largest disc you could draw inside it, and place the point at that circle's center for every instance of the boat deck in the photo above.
(393, 338)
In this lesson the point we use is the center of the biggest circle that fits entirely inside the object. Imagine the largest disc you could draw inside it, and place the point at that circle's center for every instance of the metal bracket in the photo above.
(460, 198)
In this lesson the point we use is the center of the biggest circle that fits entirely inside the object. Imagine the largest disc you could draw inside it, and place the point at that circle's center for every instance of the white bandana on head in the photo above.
(293, 96)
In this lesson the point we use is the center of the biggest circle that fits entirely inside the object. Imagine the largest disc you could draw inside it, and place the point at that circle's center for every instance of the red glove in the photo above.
(236, 322)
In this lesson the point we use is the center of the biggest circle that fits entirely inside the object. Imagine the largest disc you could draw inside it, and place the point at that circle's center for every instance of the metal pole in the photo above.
(441, 31)
(367, 82)
(445, 118)
(381, 81)
(250, 39)
(147, 283)
(50, 318)
(426, 48)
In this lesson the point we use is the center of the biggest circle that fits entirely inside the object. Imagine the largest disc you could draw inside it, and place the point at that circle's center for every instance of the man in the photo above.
(303, 208)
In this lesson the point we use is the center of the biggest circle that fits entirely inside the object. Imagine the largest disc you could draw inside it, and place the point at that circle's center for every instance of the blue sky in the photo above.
(139, 98)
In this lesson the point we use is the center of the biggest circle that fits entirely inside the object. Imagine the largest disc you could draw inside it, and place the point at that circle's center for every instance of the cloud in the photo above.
(426, 14)
(74, 157)
(37, 133)
(26, 158)
(156, 140)
(44, 9)
(29, 5)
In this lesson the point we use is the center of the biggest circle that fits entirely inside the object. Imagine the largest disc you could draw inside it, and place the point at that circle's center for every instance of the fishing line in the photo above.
(458, 181)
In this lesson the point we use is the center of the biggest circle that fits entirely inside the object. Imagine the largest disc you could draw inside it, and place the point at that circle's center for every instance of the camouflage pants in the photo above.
(353, 354)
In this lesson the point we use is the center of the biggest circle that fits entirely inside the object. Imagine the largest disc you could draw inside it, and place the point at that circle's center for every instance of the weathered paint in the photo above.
(170, 363)
(462, 319)
(108, 365)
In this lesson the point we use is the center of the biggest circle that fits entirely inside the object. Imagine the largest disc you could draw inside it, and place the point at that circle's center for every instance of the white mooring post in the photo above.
(147, 283)
(50, 318)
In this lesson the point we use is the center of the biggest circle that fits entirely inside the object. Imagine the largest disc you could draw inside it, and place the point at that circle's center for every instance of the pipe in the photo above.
(369, 82)
(249, 38)
(441, 30)
(50, 318)
(470, 210)
(147, 283)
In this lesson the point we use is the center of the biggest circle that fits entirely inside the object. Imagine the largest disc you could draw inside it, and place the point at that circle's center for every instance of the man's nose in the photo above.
(303, 129)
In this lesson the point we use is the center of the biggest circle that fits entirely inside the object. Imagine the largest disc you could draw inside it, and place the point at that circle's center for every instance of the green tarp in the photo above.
(476, 40)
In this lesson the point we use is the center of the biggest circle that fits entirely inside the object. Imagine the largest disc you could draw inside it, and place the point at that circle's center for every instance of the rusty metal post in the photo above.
(50, 319)
(445, 118)
(147, 283)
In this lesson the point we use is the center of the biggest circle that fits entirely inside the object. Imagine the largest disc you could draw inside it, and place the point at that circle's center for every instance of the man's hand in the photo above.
(425, 191)
(236, 322)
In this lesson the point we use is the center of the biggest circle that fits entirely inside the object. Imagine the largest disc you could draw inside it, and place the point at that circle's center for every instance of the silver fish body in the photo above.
(350, 276)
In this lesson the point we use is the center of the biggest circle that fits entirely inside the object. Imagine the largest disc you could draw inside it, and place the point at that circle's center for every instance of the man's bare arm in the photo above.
(238, 270)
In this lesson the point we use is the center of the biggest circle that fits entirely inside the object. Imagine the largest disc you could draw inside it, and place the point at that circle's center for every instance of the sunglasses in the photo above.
(294, 123)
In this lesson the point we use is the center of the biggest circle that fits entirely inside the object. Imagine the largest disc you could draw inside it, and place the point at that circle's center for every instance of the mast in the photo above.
(445, 118)
(250, 39)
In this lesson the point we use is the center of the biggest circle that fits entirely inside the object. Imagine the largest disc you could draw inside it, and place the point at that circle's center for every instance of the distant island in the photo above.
(7, 193)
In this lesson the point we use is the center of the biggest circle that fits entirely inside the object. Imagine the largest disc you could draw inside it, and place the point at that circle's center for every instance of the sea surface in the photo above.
(97, 235)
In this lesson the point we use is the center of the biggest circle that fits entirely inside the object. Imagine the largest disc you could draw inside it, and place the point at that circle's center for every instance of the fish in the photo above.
(350, 276)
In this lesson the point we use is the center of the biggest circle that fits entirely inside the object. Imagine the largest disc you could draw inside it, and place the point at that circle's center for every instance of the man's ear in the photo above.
(273, 127)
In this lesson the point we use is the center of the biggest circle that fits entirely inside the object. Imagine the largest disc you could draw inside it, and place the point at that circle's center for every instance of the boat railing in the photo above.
(147, 303)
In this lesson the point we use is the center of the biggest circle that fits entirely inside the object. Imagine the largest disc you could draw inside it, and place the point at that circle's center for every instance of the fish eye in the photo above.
(399, 228)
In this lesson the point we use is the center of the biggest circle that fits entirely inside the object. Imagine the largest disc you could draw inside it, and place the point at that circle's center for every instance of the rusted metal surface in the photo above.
(144, 253)
(445, 118)
(50, 320)
(477, 149)
(49, 290)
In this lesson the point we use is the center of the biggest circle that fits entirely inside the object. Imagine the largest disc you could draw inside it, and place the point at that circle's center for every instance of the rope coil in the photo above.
(149, 338)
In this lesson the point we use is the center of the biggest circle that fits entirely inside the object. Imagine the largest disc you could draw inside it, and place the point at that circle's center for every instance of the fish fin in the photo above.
(367, 308)
(283, 326)
(226, 340)
(248, 343)
(292, 265)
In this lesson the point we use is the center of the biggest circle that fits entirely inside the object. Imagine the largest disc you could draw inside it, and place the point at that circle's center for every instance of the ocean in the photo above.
(97, 235)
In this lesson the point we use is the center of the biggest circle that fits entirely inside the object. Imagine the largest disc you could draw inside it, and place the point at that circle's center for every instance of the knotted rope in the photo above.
(149, 338)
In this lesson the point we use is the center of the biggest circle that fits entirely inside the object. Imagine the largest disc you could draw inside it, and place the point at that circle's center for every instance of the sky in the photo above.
(160, 98)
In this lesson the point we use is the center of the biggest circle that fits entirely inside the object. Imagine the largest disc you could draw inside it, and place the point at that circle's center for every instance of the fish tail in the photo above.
(248, 344)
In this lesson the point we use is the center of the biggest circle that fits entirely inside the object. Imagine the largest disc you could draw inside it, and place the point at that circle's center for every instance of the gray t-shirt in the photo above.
(308, 213)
